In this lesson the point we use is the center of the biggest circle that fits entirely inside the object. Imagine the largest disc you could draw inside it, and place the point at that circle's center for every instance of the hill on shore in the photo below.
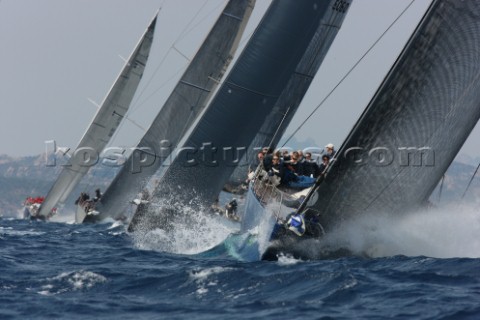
(29, 176)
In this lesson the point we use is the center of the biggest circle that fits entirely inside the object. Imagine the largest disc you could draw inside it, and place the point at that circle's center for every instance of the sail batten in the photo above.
(195, 86)
(104, 123)
(226, 14)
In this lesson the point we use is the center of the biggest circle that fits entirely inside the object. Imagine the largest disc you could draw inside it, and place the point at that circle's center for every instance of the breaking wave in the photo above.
(190, 230)
(70, 281)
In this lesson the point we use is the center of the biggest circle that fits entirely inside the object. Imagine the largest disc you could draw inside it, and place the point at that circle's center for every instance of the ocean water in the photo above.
(422, 267)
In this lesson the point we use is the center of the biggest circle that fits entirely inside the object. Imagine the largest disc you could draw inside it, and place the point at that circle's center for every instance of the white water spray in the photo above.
(447, 232)
(64, 216)
(193, 231)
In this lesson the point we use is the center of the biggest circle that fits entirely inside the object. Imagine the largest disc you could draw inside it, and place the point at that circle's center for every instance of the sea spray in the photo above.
(446, 232)
(87, 272)
(190, 229)
(64, 215)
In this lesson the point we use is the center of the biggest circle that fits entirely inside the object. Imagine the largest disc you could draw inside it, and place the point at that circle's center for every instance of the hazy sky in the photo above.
(57, 54)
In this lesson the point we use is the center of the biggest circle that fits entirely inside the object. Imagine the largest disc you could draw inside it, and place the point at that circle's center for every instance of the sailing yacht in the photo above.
(401, 145)
(99, 132)
(186, 102)
(272, 73)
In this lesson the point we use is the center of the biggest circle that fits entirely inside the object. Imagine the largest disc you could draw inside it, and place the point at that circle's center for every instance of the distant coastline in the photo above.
(21, 177)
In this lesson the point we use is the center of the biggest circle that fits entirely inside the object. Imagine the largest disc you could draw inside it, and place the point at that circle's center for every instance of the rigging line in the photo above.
(180, 53)
(200, 21)
(160, 64)
(133, 102)
(278, 128)
(185, 30)
(138, 104)
(193, 112)
(134, 123)
(441, 189)
(464, 193)
(349, 72)
(124, 116)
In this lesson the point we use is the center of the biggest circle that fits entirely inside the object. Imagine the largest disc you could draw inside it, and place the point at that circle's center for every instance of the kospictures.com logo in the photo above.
(209, 155)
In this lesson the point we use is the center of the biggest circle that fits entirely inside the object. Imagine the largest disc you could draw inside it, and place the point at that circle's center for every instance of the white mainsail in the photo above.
(105, 122)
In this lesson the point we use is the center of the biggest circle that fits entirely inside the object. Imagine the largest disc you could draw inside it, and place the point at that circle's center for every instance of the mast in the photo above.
(105, 122)
(415, 124)
(184, 104)
(209, 154)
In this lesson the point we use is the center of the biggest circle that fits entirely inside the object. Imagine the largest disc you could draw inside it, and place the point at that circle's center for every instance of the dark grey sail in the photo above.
(415, 124)
(105, 122)
(278, 120)
(184, 104)
(244, 101)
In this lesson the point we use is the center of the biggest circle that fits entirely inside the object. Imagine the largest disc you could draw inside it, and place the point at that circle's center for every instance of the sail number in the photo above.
(340, 6)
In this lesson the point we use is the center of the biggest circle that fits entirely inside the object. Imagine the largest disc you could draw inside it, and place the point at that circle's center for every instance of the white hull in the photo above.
(80, 214)
(262, 210)
(84, 214)
(31, 212)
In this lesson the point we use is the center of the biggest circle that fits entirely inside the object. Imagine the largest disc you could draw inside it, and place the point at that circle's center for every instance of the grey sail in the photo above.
(244, 101)
(105, 122)
(185, 103)
(415, 124)
(278, 120)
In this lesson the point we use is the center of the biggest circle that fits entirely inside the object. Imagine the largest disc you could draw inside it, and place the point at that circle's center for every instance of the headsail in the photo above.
(185, 103)
(244, 101)
(282, 113)
(415, 124)
(105, 122)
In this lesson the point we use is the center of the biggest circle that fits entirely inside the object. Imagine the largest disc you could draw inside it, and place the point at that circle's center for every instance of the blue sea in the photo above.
(59, 270)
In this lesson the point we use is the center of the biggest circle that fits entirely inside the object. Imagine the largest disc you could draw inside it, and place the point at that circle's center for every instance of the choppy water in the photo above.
(61, 270)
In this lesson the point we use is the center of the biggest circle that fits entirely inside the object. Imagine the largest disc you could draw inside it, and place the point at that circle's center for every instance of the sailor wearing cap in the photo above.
(330, 150)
